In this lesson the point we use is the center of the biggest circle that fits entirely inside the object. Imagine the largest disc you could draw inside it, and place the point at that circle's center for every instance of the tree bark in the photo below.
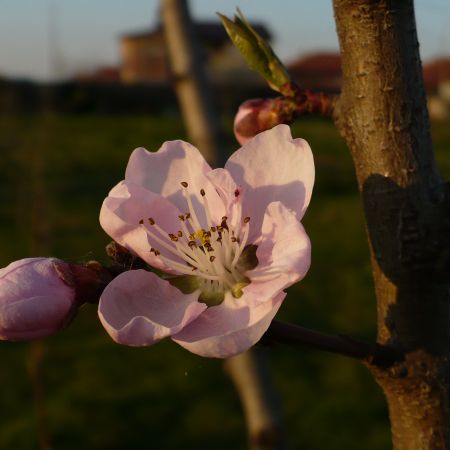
(382, 115)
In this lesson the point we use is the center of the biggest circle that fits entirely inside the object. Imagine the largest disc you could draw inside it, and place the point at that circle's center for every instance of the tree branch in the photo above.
(370, 353)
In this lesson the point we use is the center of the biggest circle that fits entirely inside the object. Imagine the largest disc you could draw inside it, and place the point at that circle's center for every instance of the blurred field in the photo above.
(55, 173)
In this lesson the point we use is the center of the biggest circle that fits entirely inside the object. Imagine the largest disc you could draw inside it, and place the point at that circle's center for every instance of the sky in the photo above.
(48, 39)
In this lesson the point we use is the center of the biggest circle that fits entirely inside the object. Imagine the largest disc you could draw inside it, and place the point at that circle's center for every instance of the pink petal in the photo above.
(162, 172)
(138, 308)
(284, 250)
(273, 167)
(229, 328)
(121, 212)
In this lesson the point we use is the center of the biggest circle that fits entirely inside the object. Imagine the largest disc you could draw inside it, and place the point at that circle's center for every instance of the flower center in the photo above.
(214, 255)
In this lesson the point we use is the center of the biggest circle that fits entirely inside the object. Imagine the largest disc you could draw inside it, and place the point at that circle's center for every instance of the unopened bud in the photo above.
(40, 296)
(257, 115)
(35, 301)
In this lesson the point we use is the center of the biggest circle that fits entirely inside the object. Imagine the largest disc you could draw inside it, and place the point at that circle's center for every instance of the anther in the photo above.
(184, 184)
(213, 229)
(180, 233)
(157, 252)
(236, 193)
(202, 192)
(224, 218)
(192, 244)
(151, 221)
(187, 215)
(181, 217)
(233, 239)
(173, 237)
(247, 220)
(212, 258)
(141, 222)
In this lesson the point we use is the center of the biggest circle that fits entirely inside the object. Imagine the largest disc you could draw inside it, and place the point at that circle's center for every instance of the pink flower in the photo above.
(35, 301)
(228, 242)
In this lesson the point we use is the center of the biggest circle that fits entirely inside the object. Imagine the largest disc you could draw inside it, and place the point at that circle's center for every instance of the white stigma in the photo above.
(210, 254)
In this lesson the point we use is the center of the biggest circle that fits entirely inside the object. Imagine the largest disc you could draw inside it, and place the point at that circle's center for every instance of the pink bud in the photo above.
(258, 115)
(36, 299)
(247, 122)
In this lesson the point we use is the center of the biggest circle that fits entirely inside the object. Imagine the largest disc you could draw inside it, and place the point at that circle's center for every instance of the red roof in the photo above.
(436, 71)
(324, 64)
(318, 71)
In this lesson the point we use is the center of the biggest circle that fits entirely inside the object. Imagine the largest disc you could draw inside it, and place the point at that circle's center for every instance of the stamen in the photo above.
(166, 244)
(191, 206)
(242, 244)
(195, 249)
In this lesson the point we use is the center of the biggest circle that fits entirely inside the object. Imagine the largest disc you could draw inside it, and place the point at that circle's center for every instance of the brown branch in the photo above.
(307, 101)
(370, 353)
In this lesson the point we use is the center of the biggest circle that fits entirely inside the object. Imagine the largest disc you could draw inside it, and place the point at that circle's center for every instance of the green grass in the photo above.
(56, 170)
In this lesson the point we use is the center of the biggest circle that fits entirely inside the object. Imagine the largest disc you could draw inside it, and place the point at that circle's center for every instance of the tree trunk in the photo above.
(382, 115)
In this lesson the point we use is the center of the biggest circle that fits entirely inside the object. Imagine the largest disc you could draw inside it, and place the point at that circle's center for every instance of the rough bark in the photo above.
(383, 117)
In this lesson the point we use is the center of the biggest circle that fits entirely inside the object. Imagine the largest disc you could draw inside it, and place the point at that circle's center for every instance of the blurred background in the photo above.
(84, 83)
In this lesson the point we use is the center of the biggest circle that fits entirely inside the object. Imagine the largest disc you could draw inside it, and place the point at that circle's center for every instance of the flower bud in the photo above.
(36, 299)
(257, 115)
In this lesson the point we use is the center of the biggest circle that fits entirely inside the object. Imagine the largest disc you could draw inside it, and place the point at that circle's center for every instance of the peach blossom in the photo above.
(227, 241)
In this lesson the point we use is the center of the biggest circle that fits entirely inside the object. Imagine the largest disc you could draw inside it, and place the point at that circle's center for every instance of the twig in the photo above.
(370, 353)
